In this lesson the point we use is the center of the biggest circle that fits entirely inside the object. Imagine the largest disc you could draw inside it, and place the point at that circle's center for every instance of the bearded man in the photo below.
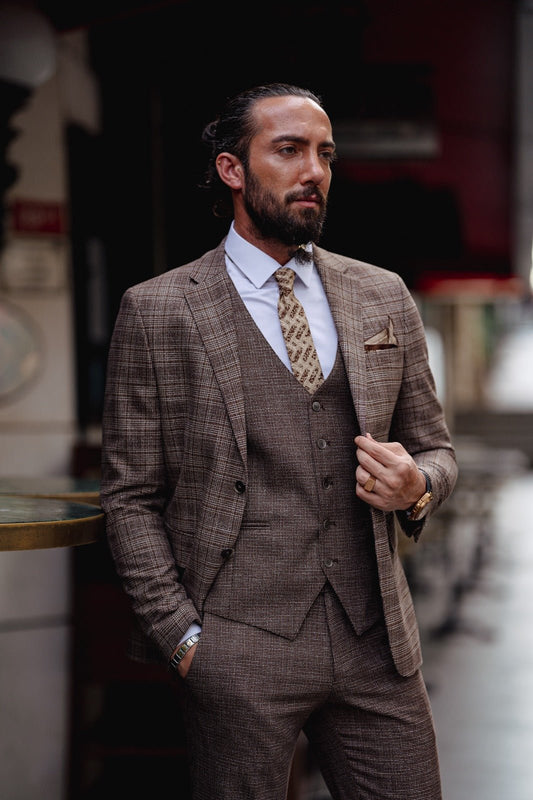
(270, 414)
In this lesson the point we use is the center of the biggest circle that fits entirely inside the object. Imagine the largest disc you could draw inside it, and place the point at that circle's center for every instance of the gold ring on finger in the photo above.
(370, 483)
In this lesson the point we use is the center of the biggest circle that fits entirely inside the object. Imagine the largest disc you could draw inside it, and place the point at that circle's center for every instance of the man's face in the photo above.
(288, 174)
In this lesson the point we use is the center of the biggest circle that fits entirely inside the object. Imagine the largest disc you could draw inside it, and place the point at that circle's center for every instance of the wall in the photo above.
(37, 431)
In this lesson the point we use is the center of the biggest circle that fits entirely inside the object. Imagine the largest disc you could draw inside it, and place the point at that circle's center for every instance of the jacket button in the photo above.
(227, 553)
(240, 487)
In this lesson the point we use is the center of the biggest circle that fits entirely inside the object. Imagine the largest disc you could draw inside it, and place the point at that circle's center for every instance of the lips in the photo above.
(308, 198)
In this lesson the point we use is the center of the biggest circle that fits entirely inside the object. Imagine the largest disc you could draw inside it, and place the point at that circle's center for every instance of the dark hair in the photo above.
(233, 131)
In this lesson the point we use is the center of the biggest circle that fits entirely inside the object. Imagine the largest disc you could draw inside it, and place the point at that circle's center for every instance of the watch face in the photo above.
(20, 351)
(422, 507)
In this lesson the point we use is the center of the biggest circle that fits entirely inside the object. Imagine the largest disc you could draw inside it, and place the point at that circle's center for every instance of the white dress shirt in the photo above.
(252, 273)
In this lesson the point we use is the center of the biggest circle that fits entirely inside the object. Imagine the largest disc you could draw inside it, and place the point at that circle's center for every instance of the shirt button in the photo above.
(316, 405)
(240, 487)
(321, 444)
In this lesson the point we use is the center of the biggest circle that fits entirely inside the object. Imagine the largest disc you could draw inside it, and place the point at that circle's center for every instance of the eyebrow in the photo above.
(287, 137)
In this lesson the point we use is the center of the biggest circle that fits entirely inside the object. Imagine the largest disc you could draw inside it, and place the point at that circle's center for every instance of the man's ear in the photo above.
(230, 170)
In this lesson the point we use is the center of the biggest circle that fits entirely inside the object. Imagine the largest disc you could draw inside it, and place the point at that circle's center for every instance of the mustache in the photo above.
(305, 194)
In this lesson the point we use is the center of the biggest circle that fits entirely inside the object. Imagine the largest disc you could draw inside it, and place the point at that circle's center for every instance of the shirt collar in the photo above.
(256, 265)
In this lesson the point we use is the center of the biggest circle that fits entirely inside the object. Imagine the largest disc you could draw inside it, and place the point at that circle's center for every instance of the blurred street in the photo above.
(478, 646)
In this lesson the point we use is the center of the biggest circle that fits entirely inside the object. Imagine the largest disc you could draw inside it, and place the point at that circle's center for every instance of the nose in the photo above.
(314, 169)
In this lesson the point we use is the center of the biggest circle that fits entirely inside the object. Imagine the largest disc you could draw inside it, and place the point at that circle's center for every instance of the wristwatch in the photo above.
(182, 649)
(421, 507)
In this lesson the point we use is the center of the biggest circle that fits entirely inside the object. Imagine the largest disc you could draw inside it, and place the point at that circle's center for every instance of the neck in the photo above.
(277, 250)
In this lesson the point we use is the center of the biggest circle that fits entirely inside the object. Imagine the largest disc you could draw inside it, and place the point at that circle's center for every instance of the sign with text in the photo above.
(37, 216)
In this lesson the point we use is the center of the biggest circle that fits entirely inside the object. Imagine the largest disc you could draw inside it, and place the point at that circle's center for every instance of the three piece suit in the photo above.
(230, 501)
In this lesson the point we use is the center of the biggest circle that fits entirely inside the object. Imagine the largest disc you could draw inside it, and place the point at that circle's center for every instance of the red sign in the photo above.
(37, 216)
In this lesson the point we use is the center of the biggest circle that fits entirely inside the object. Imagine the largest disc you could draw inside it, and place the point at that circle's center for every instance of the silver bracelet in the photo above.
(183, 649)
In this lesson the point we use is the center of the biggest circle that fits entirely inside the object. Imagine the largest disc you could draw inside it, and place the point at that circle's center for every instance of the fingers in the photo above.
(365, 480)
(385, 453)
(373, 466)
(387, 477)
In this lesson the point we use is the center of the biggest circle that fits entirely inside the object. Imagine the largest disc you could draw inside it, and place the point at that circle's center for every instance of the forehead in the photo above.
(291, 117)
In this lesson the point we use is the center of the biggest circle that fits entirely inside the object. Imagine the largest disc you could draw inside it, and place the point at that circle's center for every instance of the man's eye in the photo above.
(328, 155)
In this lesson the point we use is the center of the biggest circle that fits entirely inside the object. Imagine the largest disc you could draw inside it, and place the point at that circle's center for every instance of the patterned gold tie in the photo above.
(295, 327)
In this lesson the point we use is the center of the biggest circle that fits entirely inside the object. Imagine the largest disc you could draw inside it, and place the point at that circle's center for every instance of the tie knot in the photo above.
(285, 279)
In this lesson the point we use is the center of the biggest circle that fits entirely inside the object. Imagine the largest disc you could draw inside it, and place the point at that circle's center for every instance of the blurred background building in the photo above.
(102, 107)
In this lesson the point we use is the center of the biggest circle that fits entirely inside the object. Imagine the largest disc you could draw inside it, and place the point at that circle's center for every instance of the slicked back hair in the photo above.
(232, 132)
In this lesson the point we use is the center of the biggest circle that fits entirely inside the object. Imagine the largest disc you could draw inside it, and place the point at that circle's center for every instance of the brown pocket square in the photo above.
(383, 340)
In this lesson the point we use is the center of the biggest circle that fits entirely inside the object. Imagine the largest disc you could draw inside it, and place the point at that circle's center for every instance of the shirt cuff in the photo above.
(192, 629)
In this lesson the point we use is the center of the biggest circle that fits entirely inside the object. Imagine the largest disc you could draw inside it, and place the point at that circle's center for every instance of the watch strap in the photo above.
(426, 476)
(414, 512)
(182, 650)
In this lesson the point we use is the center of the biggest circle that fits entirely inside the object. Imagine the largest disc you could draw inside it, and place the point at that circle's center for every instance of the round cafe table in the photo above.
(80, 490)
(35, 521)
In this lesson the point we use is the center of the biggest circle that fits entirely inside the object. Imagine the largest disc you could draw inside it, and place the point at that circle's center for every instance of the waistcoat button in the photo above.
(321, 444)
(316, 405)
(328, 562)
(327, 482)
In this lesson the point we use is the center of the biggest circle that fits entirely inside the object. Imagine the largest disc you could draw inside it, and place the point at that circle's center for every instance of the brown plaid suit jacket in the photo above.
(174, 436)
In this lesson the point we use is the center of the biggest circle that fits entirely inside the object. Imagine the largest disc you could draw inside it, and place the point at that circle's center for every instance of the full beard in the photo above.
(275, 220)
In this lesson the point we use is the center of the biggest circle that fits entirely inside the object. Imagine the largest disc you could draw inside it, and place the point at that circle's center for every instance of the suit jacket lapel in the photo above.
(209, 300)
(346, 309)
(210, 303)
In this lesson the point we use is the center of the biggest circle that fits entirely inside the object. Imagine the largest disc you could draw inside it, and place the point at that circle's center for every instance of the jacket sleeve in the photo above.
(133, 486)
(418, 421)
